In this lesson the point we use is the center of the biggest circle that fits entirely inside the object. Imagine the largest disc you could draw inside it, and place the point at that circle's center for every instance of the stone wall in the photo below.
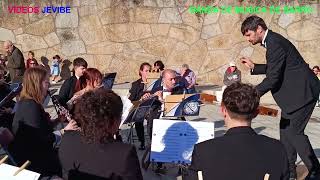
(118, 35)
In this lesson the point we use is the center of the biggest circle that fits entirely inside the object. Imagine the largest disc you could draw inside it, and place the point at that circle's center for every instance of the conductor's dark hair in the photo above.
(160, 64)
(80, 62)
(252, 23)
(241, 101)
(97, 112)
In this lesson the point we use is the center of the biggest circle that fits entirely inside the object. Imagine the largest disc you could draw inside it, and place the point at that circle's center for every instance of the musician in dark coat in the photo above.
(15, 60)
(169, 87)
(241, 153)
(93, 153)
(75, 83)
(136, 91)
(6, 115)
(294, 87)
(32, 127)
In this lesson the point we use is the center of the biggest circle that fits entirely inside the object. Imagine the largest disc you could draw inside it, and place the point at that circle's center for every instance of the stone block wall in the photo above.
(118, 35)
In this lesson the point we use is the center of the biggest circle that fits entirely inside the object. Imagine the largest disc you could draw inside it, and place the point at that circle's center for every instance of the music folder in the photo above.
(108, 80)
(7, 173)
(182, 105)
(173, 141)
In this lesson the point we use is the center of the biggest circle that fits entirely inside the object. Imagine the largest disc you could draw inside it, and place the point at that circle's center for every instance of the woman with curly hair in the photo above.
(93, 153)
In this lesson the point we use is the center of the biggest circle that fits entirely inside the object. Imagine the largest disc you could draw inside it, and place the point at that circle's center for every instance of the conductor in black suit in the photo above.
(293, 86)
(241, 153)
(74, 83)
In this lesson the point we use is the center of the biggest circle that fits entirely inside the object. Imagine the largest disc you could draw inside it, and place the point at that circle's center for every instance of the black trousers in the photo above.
(295, 141)
(140, 132)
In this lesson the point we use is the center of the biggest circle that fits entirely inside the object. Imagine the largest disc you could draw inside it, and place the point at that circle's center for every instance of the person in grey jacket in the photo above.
(15, 60)
(232, 74)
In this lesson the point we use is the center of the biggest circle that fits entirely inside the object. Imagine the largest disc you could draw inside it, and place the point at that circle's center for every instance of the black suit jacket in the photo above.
(288, 76)
(136, 90)
(239, 154)
(98, 160)
(34, 139)
(67, 90)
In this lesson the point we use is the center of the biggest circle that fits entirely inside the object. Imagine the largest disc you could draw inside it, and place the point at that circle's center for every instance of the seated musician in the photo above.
(136, 91)
(241, 153)
(169, 87)
(74, 83)
(6, 114)
(32, 127)
(93, 153)
(92, 78)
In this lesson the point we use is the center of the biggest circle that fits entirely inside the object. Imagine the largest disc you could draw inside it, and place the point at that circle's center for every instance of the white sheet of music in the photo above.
(127, 105)
(7, 171)
(173, 141)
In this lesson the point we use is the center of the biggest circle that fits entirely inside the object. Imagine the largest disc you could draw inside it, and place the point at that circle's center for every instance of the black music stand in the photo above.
(15, 90)
(108, 80)
(138, 114)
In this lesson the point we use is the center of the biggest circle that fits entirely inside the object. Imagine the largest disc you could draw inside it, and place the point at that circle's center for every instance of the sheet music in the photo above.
(7, 171)
(127, 105)
(173, 141)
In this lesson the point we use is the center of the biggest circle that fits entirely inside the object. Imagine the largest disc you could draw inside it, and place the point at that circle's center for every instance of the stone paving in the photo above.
(265, 125)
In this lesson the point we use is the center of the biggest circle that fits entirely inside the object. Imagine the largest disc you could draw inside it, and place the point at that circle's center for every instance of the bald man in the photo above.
(15, 60)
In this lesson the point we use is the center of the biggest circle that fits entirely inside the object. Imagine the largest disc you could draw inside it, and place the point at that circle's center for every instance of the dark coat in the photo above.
(67, 89)
(34, 139)
(136, 90)
(239, 154)
(16, 65)
(98, 161)
(288, 76)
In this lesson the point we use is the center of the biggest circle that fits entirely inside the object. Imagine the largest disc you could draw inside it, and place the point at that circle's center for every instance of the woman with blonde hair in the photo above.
(32, 127)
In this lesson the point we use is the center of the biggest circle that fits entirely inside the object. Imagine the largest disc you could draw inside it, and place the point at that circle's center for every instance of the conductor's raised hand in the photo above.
(247, 62)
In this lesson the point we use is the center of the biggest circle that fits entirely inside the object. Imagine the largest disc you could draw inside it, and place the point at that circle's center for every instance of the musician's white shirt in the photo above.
(164, 94)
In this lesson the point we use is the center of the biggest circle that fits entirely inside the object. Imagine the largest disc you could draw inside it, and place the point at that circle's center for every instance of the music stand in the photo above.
(15, 90)
(108, 80)
(138, 114)
(153, 81)
(182, 105)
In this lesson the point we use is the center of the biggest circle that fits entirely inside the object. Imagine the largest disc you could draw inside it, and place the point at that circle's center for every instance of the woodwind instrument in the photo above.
(208, 98)
(61, 110)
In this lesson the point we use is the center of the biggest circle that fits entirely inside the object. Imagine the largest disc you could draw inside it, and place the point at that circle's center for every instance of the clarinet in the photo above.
(61, 110)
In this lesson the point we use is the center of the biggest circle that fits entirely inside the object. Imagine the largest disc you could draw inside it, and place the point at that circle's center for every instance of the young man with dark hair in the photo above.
(241, 153)
(74, 83)
(294, 87)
